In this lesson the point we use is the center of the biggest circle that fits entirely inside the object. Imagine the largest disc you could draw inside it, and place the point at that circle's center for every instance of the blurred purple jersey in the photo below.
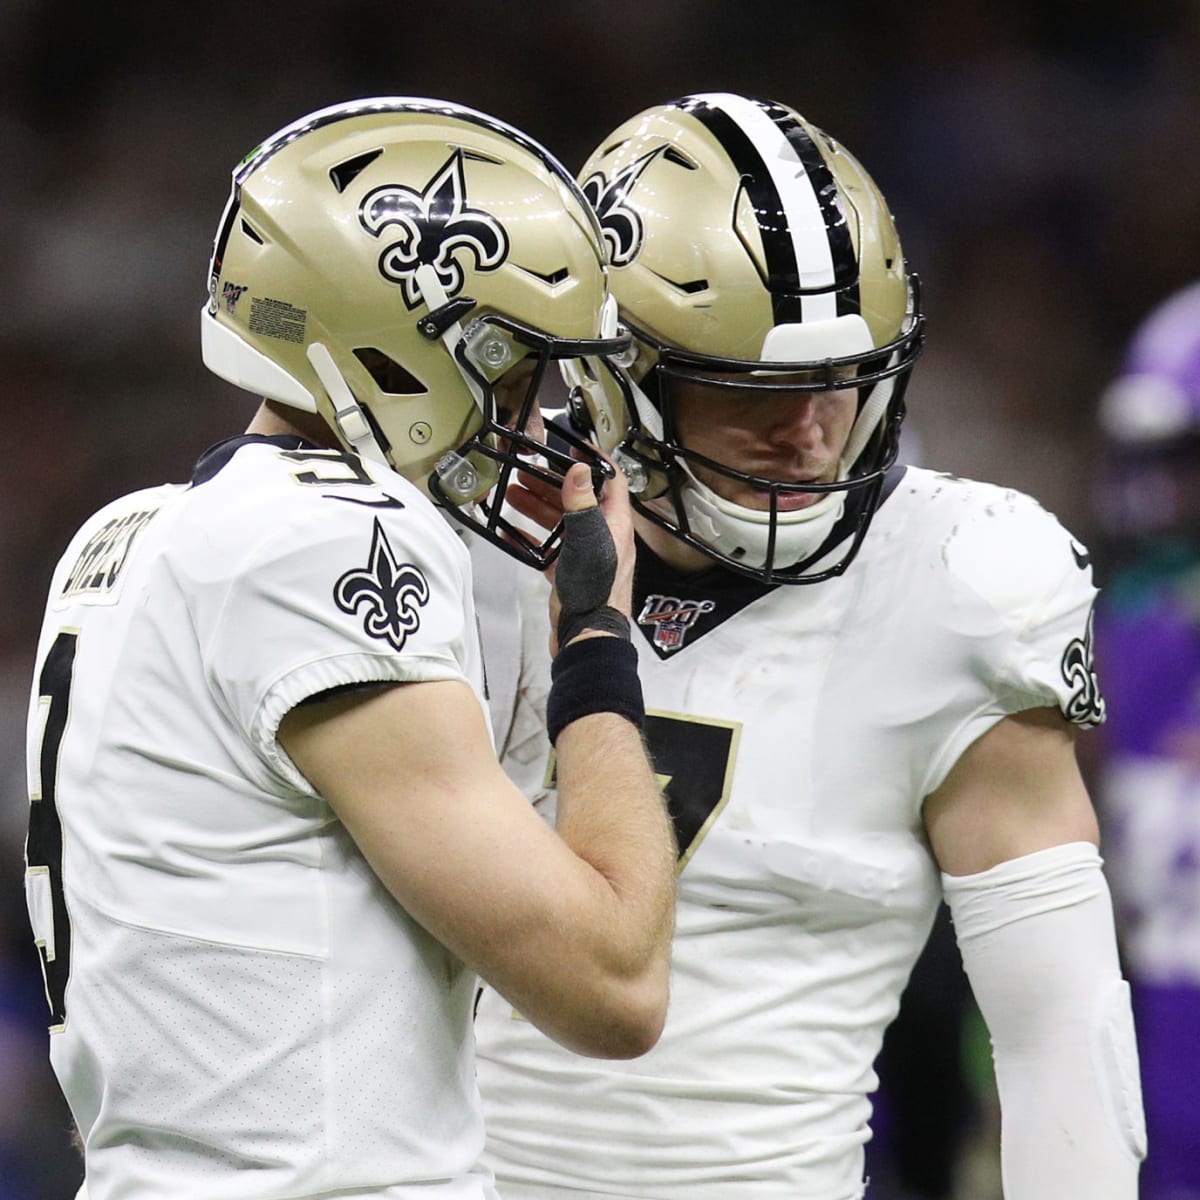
(1148, 655)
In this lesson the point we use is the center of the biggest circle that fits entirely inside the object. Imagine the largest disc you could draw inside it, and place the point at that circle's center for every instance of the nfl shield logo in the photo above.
(231, 294)
(671, 618)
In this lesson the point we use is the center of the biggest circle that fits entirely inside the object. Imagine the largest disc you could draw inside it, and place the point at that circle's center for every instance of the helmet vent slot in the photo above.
(551, 277)
(344, 174)
(689, 287)
(251, 232)
(478, 156)
(672, 155)
(389, 375)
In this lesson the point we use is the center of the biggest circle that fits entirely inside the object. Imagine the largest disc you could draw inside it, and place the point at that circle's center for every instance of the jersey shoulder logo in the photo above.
(430, 227)
(671, 618)
(620, 224)
(390, 592)
(1086, 706)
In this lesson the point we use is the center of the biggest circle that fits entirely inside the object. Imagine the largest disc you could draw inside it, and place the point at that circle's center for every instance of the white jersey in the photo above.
(513, 611)
(797, 730)
(239, 1008)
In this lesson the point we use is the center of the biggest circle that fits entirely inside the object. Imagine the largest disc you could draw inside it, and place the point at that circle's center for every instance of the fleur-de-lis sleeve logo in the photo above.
(620, 224)
(390, 592)
(429, 227)
(1086, 706)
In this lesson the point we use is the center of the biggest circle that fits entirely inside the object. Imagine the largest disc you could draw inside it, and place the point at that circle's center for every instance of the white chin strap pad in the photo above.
(1039, 946)
(743, 533)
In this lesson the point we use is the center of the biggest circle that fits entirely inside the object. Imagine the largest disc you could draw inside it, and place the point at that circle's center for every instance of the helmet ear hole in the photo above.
(389, 375)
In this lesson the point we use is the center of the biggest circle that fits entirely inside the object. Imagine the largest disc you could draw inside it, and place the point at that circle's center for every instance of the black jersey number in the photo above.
(325, 468)
(693, 759)
(333, 469)
(44, 845)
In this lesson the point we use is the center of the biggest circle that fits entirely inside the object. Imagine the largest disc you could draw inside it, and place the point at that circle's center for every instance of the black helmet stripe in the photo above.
(809, 277)
(841, 245)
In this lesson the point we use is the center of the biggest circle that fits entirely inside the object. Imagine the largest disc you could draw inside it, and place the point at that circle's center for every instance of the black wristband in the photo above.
(591, 676)
(604, 619)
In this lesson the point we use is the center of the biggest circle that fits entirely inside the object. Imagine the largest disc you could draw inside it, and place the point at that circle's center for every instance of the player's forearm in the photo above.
(612, 815)
(599, 977)
(611, 812)
(595, 977)
(1039, 947)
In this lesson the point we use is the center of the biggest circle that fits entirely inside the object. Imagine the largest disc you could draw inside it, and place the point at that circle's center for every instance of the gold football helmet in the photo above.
(748, 249)
(407, 268)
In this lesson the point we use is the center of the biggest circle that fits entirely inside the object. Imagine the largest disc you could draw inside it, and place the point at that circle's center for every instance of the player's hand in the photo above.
(593, 575)
(535, 498)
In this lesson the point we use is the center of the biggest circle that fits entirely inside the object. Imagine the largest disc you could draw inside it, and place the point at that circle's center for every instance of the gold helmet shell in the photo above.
(385, 262)
(717, 241)
(746, 243)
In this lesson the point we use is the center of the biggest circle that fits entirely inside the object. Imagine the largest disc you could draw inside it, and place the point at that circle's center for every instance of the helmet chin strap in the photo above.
(351, 421)
(867, 421)
(648, 415)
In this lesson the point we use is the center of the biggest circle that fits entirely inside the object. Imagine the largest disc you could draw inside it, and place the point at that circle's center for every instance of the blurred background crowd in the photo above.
(1042, 158)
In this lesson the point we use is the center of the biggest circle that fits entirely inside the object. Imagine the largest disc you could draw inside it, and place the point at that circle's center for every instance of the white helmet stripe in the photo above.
(806, 221)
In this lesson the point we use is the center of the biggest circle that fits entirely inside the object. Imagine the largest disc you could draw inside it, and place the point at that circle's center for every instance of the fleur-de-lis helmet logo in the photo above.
(391, 591)
(431, 227)
(620, 224)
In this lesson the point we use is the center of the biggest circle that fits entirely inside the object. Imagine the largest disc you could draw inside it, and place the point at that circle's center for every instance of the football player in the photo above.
(863, 686)
(270, 842)
(1148, 640)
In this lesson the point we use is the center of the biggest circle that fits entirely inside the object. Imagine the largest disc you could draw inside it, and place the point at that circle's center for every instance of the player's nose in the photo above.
(794, 423)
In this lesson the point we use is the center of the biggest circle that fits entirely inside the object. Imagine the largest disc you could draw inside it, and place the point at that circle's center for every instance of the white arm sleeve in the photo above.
(1039, 946)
